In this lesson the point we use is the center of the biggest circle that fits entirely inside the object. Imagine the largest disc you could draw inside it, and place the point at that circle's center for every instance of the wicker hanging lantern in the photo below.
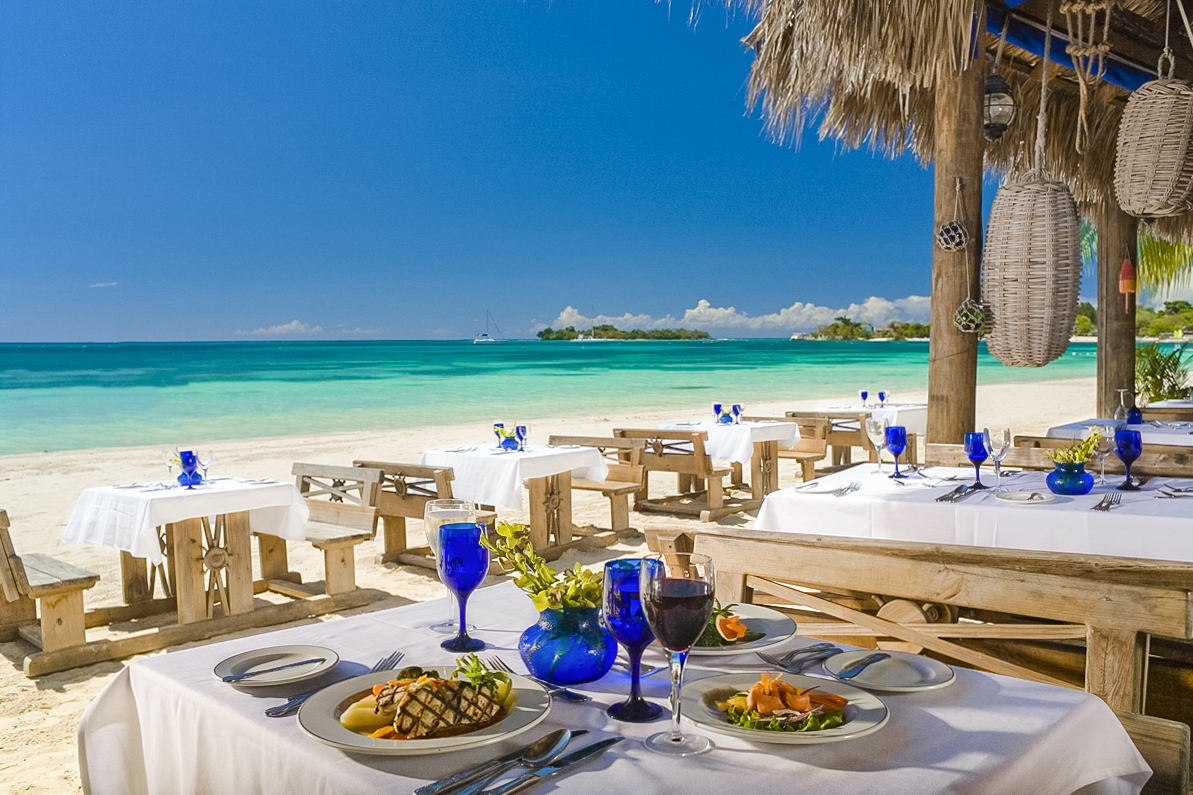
(1031, 276)
(1153, 165)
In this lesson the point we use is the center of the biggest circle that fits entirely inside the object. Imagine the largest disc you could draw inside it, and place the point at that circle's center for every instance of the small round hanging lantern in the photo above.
(953, 236)
(971, 317)
(998, 107)
(1153, 164)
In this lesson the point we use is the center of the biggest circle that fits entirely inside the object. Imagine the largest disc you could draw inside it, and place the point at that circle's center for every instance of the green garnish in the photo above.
(749, 719)
(1076, 453)
(710, 636)
(548, 589)
(471, 668)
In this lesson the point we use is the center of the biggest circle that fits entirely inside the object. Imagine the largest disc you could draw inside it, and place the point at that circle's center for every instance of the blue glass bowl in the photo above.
(568, 646)
(1069, 479)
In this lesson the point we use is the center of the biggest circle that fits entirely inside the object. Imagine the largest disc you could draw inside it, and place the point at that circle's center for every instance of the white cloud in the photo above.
(105, 284)
(293, 327)
(799, 316)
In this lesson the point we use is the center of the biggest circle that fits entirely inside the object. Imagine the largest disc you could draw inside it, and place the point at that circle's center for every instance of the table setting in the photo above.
(824, 715)
(1163, 432)
(878, 405)
(731, 439)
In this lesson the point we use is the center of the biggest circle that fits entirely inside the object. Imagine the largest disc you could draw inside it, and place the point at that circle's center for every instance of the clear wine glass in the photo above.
(205, 458)
(435, 514)
(997, 442)
(876, 432)
(1120, 413)
(171, 459)
(1105, 448)
(677, 597)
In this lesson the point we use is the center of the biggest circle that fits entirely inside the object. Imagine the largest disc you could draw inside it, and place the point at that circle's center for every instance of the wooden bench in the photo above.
(343, 506)
(1113, 604)
(701, 486)
(35, 583)
(624, 459)
(405, 491)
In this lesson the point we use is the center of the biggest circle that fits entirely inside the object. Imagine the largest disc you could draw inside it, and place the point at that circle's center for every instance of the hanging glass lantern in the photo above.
(998, 107)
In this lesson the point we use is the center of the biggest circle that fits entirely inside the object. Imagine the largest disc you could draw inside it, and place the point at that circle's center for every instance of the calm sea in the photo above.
(59, 397)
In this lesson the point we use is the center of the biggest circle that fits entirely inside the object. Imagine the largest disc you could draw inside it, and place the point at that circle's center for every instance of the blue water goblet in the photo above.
(463, 564)
(975, 451)
(189, 477)
(896, 443)
(499, 432)
(863, 394)
(1128, 445)
(716, 411)
(737, 412)
(623, 617)
(881, 399)
(521, 432)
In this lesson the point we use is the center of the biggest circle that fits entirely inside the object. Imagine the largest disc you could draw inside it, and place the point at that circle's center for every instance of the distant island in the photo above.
(607, 332)
(843, 328)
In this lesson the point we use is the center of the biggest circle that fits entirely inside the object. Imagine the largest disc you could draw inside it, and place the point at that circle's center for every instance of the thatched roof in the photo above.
(867, 71)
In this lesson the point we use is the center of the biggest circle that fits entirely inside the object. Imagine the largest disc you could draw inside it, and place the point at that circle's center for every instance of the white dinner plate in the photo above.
(274, 656)
(901, 673)
(817, 487)
(320, 718)
(775, 627)
(1027, 497)
(864, 714)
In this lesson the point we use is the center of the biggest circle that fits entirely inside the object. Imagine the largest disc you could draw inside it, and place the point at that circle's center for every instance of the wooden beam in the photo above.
(1164, 745)
(953, 354)
(1117, 239)
(1001, 631)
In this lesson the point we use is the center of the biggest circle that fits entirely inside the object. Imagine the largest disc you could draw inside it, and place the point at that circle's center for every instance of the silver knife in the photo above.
(949, 497)
(250, 674)
(528, 780)
(457, 780)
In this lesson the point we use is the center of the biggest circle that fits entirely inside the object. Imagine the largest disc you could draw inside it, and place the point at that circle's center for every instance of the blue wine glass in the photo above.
(463, 564)
(498, 431)
(622, 615)
(1128, 445)
(736, 413)
(881, 399)
(521, 432)
(896, 443)
(863, 394)
(975, 451)
(716, 411)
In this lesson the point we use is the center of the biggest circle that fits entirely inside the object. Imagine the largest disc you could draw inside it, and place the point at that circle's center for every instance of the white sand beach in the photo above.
(38, 718)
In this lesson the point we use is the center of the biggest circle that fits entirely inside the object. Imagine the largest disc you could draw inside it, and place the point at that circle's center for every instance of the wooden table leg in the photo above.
(560, 502)
(1116, 667)
(763, 474)
(187, 554)
(134, 578)
(540, 536)
(394, 530)
(238, 542)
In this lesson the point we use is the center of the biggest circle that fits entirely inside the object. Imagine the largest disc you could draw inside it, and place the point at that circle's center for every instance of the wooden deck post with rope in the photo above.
(1117, 233)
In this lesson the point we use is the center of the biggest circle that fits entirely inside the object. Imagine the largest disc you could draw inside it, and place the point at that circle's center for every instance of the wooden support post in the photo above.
(62, 622)
(763, 469)
(1117, 240)
(561, 498)
(274, 562)
(339, 565)
(539, 535)
(239, 543)
(134, 577)
(1115, 666)
(953, 354)
(619, 510)
(393, 529)
(187, 552)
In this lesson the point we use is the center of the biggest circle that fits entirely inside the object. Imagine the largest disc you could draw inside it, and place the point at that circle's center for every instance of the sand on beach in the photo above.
(38, 718)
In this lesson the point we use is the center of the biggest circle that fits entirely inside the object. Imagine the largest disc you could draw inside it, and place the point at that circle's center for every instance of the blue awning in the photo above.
(1028, 37)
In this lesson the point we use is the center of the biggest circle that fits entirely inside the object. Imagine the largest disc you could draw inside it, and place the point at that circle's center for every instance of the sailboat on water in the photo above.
(485, 337)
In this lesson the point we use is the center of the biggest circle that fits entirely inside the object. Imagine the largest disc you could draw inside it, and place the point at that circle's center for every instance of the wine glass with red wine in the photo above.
(677, 597)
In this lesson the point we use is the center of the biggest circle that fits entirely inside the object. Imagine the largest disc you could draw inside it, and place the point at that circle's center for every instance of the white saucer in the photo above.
(1027, 497)
(274, 656)
(900, 673)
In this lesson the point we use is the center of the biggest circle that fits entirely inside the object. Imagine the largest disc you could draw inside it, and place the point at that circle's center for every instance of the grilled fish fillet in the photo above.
(438, 705)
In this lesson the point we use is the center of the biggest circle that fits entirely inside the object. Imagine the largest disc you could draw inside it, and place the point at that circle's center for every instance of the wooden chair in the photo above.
(1113, 604)
(343, 506)
(33, 584)
(624, 459)
(405, 491)
(812, 446)
(846, 431)
(682, 452)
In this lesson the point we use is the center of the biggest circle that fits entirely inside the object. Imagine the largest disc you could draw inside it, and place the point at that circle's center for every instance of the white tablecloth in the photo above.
(736, 442)
(1171, 404)
(489, 476)
(912, 417)
(128, 518)
(1143, 526)
(1153, 432)
(165, 725)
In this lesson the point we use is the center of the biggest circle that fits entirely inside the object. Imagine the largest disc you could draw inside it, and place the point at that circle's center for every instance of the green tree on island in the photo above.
(608, 332)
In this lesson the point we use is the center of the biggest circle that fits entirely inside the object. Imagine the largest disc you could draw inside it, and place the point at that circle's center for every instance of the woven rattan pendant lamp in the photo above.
(1031, 274)
(1153, 165)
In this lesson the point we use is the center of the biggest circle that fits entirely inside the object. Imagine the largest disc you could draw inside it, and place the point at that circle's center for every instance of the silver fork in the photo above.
(1101, 506)
(384, 664)
(553, 689)
(854, 486)
(1115, 499)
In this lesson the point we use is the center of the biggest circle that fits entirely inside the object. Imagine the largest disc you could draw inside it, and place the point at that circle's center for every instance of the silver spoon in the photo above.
(540, 754)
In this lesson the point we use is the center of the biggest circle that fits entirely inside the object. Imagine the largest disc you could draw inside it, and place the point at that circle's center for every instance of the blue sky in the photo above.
(234, 170)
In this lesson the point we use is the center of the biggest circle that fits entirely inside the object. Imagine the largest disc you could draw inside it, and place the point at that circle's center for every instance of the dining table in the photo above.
(166, 724)
(1145, 524)
(195, 541)
(913, 416)
(750, 442)
(1165, 432)
(489, 475)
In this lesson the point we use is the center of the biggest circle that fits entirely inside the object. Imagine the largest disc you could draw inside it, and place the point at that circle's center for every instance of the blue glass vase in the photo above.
(1069, 479)
(568, 646)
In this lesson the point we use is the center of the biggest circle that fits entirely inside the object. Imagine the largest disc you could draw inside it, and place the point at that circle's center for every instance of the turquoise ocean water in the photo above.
(60, 397)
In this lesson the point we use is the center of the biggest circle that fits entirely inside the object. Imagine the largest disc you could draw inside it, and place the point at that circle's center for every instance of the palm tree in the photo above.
(1162, 266)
